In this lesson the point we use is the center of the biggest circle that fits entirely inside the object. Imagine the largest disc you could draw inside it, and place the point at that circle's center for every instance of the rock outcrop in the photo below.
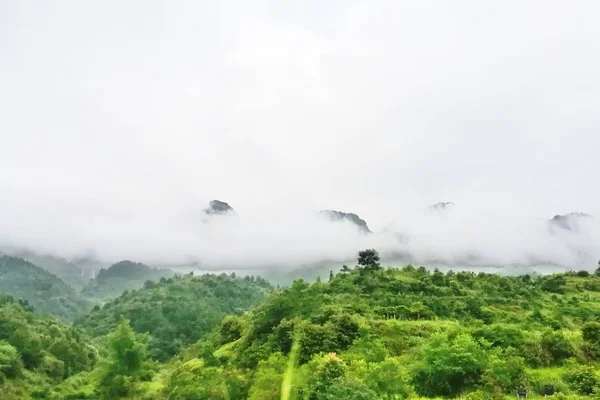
(442, 206)
(569, 222)
(334, 215)
(218, 207)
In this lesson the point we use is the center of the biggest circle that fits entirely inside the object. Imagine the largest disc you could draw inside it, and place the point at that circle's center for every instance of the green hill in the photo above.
(66, 270)
(177, 311)
(367, 333)
(37, 351)
(44, 291)
(122, 276)
(373, 333)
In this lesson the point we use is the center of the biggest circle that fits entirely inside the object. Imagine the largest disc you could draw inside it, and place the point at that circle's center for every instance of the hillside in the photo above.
(366, 333)
(122, 276)
(177, 311)
(44, 291)
(38, 351)
(66, 270)
(372, 333)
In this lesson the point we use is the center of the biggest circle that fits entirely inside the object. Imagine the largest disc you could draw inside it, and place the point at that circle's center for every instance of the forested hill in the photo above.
(63, 268)
(375, 333)
(124, 275)
(44, 291)
(368, 333)
(178, 311)
(37, 352)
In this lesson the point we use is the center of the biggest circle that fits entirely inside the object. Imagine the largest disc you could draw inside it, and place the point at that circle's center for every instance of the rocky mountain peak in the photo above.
(334, 215)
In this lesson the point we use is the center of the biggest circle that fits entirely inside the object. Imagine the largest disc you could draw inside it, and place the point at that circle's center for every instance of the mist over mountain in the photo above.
(571, 222)
(288, 240)
(218, 207)
(442, 205)
(116, 145)
(121, 276)
(334, 215)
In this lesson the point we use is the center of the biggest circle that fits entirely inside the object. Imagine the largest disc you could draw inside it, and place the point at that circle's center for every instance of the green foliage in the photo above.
(366, 333)
(591, 335)
(268, 378)
(66, 270)
(505, 371)
(390, 379)
(230, 329)
(553, 283)
(180, 310)
(122, 276)
(547, 381)
(37, 351)
(126, 365)
(449, 366)
(44, 341)
(43, 291)
(582, 379)
(11, 365)
(193, 380)
(437, 334)
(368, 258)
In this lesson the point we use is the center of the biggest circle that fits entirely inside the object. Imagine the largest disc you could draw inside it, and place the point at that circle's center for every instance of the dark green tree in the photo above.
(368, 258)
(11, 365)
(126, 365)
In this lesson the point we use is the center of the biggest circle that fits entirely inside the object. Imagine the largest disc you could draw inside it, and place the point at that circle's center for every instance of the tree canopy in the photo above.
(367, 332)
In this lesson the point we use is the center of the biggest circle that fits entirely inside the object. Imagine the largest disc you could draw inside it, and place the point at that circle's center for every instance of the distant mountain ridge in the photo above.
(121, 276)
(46, 292)
(68, 271)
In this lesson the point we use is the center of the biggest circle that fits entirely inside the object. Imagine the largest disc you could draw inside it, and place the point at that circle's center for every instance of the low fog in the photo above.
(121, 121)
(288, 238)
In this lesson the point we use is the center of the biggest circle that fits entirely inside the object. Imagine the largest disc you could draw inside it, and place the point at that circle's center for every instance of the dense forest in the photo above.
(177, 311)
(43, 290)
(366, 332)
(68, 271)
(37, 351)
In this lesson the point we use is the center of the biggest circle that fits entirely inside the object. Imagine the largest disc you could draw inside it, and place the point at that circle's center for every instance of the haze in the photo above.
(121, 120)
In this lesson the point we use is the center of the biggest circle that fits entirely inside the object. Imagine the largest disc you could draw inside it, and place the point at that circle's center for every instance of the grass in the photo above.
(288, 376)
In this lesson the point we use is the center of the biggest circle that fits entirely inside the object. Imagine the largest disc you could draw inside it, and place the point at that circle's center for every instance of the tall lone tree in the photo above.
(126, 365)
(368, 258)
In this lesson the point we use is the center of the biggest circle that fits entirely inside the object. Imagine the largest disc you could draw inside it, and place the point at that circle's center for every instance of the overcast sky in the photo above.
(145, 110)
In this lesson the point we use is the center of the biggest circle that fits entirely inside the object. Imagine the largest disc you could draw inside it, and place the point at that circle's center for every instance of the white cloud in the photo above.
(120, 120)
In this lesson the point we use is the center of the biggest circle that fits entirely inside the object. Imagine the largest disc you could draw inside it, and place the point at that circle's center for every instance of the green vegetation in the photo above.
(44, 291)
(122, 276)
(37, 351)
(368, 333)
(178, 311)
(372, 333)
(64, 269)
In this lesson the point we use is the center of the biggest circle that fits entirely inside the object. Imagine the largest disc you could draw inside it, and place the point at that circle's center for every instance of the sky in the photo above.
(121, 120)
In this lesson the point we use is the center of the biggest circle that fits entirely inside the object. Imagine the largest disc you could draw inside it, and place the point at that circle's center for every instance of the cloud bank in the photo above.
(280, 237)
(120, 121)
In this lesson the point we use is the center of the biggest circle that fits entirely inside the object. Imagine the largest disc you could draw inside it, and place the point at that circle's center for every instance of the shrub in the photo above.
(449, 367)
(11, 365)
(581, 378)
